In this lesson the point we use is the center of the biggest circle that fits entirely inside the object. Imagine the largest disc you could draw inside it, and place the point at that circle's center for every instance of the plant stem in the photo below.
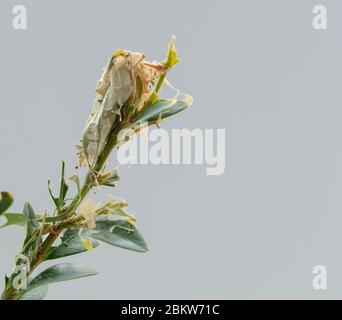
(11, 293)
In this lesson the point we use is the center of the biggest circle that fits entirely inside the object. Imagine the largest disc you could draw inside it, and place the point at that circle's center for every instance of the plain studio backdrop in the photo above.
(257, 69)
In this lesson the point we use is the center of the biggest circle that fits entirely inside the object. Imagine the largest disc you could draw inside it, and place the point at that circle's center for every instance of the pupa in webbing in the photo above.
(116, 88)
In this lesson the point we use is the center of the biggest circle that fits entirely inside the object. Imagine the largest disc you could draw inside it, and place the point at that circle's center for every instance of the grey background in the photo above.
(257, 69)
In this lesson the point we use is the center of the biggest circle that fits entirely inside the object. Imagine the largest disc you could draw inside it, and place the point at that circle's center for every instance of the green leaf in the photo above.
(32, 222)
(59, 273)
(162, 109)
(55, 200)
(14, 219)
(63, 188)
(38, 293)
(171, 59)
(31, 240)
(119, 233)
(172, 55)
(71, 244)
(6, 200)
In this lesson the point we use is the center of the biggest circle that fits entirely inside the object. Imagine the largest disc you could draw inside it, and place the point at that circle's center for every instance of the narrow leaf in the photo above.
(63, 188)
(71, 244)
(171, 59)
(162, 109)
(61, 272)
(32, 222)
(172, 55)
(119, 233)
(54, 199)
